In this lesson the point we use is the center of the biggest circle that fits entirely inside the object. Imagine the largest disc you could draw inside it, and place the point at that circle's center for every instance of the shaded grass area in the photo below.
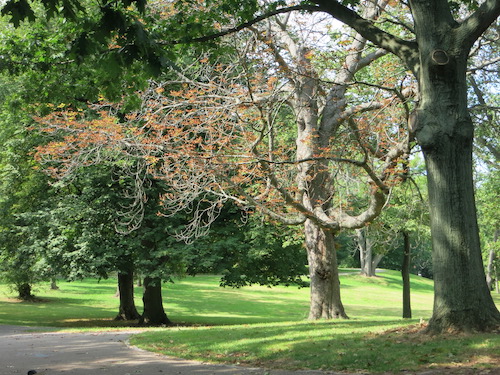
(375, 346)
(83, 303)
(266, 327)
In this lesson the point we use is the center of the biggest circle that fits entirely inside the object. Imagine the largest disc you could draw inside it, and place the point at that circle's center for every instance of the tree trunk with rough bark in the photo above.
(462, 299)
(323, 271)
(405, 274)
(127, 309)
(445, 132)
(154, 313)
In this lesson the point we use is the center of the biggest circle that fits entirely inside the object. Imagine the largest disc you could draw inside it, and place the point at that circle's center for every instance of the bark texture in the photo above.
(154, 313)
(323, 271)
(127, 309)
(462, 300)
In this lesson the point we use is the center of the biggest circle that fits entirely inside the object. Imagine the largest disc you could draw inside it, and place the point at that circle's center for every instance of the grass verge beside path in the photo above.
(375, 346)
(266, 327)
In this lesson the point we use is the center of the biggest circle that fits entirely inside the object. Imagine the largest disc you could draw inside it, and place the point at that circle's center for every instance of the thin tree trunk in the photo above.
(375, 262)
(127, 309)
(324, 275)
(368, 262)
(405, 274)
(497, 281)
(489, 269)
(53, 284)
(154, 313)
(490, 265)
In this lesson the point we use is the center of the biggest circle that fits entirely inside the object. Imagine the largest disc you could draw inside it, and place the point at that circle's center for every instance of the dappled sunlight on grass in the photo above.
(200, 300)
(334, 345)
(266, 327)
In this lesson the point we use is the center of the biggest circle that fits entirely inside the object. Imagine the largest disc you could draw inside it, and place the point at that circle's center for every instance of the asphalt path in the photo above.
(96, 353)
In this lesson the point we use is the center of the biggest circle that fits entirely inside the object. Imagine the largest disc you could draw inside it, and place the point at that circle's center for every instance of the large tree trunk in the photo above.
(405, 274)
(462, 299)
(444, 131)
(127, 310)
(153, 314)
(324, 275)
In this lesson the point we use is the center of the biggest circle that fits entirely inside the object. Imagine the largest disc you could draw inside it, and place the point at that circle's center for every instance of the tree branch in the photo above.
(405, 50)
(472, 28)
(232, 30)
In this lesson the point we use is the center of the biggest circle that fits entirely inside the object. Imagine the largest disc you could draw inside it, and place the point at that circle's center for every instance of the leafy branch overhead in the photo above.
(263, 118)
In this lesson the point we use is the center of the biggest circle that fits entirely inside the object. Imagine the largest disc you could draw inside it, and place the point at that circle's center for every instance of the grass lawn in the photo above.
(266, 327)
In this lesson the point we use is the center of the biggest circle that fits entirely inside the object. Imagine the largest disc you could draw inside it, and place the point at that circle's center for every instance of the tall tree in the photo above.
(265, 140)
(435, 46)
(24, 193)
(444, 130)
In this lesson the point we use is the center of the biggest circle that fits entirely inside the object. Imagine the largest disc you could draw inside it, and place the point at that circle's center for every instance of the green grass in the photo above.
(200, 300)
(340, 346)
(262, 326)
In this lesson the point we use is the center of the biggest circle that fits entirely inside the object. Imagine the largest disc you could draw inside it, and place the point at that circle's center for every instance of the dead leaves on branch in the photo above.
(234, 137)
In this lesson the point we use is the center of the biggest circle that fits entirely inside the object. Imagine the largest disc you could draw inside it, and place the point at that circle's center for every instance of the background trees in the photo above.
(441, 123)
(266, 133)
(24, 195)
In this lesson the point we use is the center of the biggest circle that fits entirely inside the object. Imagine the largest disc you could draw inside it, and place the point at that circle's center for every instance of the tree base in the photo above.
(154, 322)
(127, 316)
(24, 292)
(464, 321)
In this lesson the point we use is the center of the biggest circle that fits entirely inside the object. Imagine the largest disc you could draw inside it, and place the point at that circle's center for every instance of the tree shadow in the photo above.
(333, 346)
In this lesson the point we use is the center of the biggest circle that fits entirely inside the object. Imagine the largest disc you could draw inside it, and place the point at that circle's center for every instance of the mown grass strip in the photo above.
(260, 326)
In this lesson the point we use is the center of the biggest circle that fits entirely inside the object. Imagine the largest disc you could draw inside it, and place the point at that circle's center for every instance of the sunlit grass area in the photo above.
(267, 327)
(200, 300)
(368, 345)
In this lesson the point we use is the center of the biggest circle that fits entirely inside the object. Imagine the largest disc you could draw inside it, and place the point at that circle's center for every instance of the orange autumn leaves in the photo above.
(225, 138)
(191, 135)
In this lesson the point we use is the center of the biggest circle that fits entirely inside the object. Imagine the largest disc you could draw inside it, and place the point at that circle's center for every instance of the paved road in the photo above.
(98, 353)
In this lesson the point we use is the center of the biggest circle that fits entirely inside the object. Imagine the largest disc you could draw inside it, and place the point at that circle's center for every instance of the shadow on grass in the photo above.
(336, 346)
(54, 312)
